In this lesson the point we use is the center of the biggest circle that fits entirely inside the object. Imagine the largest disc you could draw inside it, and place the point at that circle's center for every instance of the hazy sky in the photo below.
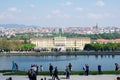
(60, 13)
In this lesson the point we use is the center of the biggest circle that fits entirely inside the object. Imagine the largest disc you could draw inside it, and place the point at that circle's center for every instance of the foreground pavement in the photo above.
(62, 77)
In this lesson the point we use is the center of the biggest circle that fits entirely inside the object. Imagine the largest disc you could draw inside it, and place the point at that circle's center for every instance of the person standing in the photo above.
(67, 72)
(30, 74)
(14, 67)
(116, 67)
(70, 66)
(37, 67)
(51, 69)
(33, 75)
(55, 74)
(86, 69)
(99, 69)
(41, 68)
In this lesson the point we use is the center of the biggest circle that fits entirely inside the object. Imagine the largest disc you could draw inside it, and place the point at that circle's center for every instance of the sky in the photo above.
(61, 13)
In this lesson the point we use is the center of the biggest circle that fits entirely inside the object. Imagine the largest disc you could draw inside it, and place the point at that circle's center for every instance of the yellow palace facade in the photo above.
(62, 43)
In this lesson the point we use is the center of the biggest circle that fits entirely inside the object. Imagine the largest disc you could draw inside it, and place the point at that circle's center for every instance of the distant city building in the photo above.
(10, 30)
(61, 43)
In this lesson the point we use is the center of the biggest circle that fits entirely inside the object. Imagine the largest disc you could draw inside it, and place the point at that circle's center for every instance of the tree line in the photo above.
(115, 35)
(102, 47)
(23, 36)
(15, 45)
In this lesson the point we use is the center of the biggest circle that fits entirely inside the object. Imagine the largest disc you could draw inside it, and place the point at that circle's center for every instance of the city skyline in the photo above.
(61, 13)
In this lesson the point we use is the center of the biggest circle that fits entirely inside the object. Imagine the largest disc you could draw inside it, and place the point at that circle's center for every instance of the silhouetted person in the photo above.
(14, 67)
(67, 72)
(41, 79)
(55, 74)
(70, 66)
(30, 74)
(33, 75)
(116, 67)
(51, 69)
(99, 69)
(44, 78)
(118, 78)
(86, 69)
(10, 78)
(41, 68)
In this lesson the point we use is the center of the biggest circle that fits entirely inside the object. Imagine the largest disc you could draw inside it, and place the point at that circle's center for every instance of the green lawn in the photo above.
(9, 72)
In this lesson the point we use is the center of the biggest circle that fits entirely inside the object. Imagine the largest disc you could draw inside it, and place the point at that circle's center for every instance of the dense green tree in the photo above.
(27, 46)
(102, 47)
(27, 36)
(14, 45)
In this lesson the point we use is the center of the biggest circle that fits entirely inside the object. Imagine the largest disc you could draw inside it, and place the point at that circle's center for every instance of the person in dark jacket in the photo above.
(99, 69)
(116, 66)
(118, 78)
(10, 78)
(50, 69)
(70, 66)
(33, 75)
(67, 72)
(55, 74)
(30, 74)
(86, 69)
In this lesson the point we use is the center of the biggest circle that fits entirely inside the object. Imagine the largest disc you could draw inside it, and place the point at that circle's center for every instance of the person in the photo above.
(44, 78)
(99, 69)
(118, 78)
(41, 68)
(86, 69)
(37, 69)
(14, 67)
(55, 74)
(34, 67)
(30, 74)
(67, 72)
(10, 78)
(70, 66)
(116, 67)
(33, 75)
(41, 79)
(50, 69)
